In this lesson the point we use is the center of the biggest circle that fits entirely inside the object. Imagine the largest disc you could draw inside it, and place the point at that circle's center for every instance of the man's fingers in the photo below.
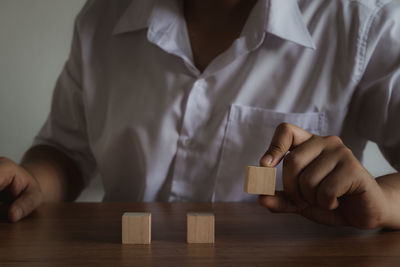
(338, 183)
(286, 137)
(25, 204)
(314, 173)
(7, 172)
(279, 203)
(15, 183)
(294, 164)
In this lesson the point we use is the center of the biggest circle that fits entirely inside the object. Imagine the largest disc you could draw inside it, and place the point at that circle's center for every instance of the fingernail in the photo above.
(17, 213)
(267, 160)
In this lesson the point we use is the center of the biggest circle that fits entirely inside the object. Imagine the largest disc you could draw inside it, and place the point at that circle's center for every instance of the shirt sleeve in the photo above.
(376, 101)
(66, 127)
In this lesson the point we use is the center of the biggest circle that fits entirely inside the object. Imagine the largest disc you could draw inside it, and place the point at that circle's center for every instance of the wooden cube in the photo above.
(136, 228)
(260, 180)
(200, 227)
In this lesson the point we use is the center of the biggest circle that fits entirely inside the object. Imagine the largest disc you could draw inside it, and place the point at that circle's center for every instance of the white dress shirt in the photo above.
(131, 104)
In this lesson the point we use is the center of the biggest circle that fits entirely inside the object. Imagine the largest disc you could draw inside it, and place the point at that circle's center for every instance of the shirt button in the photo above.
(200, 83)
(187, 142)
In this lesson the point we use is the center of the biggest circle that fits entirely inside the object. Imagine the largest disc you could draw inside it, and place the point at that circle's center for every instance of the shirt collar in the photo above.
(286, 21)
(281, 18)
(136, 17)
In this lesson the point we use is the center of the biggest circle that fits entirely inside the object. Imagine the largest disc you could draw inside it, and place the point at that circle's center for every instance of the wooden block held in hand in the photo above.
(136, 228)
(200, 227)
(260, 180)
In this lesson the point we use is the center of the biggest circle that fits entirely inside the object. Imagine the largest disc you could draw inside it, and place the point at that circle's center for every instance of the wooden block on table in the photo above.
(200, 227)
(136, 228)
(260, 180)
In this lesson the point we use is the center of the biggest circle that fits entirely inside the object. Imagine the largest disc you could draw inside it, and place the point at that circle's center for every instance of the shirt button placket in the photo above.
(193, 118)
(193, 112)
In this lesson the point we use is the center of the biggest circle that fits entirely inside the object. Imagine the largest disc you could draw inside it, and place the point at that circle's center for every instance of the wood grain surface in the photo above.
(200, 228)
(136, 228)
(89, 234)
(260, 180)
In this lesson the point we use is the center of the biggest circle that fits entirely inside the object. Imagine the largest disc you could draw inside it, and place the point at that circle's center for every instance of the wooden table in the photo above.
(82, 234)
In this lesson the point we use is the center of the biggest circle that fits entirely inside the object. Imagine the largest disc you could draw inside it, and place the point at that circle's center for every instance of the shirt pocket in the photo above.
(248, 134)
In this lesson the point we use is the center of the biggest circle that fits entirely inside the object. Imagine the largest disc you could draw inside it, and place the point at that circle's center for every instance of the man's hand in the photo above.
(323, 181)
(19, 191)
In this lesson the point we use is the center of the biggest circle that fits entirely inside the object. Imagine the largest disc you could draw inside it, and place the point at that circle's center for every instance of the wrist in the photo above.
(57, 174)
(390, 204)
